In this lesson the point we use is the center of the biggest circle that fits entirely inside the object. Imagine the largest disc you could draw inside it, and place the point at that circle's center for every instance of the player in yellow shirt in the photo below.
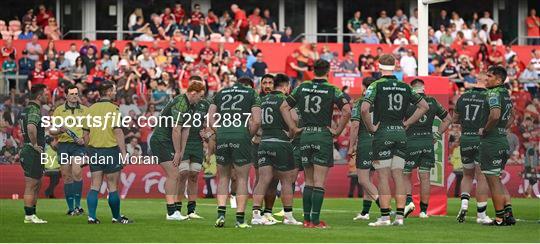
(71, 146)
(105, 141)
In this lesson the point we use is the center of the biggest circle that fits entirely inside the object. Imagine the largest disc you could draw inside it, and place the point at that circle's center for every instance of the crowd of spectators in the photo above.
(148, 76)
(179, 24)
(42, 24)
(444, 29)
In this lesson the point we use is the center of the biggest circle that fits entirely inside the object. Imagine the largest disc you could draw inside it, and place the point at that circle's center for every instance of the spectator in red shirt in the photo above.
(520, 97)
(196, 15)
(207, 53)
(495, 56)
(292, 68)
(213, 81)
(7, 50)
(241, 24)
(53, 76)
(255, 17)
(533, 28)
(167, 17)
(43, 16)
(495, 34)
(179, 13)
(37, 76)
(212, 20)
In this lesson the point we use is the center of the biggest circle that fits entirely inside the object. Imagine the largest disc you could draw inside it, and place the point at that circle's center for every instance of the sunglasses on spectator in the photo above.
(73, 94)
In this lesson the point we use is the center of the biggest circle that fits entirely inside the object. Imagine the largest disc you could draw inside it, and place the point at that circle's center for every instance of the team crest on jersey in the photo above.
(493, 100)
(368, 92)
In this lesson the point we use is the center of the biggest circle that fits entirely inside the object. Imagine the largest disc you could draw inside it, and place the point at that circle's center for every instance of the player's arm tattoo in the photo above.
(366, 116)
(285, 110)
(455, 118)
(353, 135)
(255, 120)
(446, 121)
(345, 117)
(493, 118)
(421, 108)
(32, 134)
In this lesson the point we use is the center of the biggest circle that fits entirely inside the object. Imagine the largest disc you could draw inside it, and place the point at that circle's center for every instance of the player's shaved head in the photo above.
(246, 81)
(417, 82)
(281, 80)
(321, 68)
(105, 87)
(36, 91)
(195, 78)
(498, 72)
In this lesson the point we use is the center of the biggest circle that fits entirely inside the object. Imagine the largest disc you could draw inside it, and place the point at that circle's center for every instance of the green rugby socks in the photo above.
(317, 201)
(306, 197)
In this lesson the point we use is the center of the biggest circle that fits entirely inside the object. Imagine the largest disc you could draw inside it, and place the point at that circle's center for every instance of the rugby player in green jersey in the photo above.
(168, 142)
(360, 142)
(193, 157)
(420, 147)
(468, 113)
(275, 155)
(498, 114)
(390, 99)
(235, 115)
(34, 142)
(315, 101)
(267, 86)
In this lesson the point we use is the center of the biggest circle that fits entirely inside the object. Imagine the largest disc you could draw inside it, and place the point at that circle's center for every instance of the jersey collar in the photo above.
(319, 80)
(71, 108)
(389, 77)
(32, 103)
(103, 100)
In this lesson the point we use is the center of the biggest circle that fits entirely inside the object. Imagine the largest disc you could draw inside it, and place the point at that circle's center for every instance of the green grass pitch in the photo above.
(150, 225)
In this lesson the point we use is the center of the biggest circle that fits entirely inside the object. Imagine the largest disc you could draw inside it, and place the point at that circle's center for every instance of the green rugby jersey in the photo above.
(497, 97)
(424, 126)
(32, 115)
(469, 106)
(357, 116)
(273, 125)
(198, 120)
(234, 104)
(171, 116)
(315, 101)
(391, 99)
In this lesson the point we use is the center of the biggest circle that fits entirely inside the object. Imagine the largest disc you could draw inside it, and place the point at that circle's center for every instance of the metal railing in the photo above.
(523, 38)
(325, 35)
(100, 32)
(4, 84)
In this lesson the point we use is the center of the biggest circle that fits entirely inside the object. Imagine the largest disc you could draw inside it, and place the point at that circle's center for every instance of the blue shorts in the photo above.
(104, 159)
(70, 149)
